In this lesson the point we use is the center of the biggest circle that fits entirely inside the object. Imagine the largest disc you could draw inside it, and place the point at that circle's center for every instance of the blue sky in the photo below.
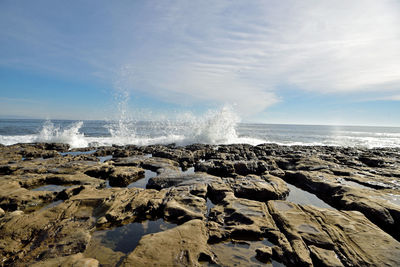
(308, 62)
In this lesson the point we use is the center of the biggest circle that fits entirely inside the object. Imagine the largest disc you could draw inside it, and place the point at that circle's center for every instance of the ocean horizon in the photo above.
(221, 128)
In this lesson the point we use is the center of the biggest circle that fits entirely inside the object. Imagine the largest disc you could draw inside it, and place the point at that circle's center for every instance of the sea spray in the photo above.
(122, 130)
(217, 127)
(194, 129)
(54, 134)
(214, 127)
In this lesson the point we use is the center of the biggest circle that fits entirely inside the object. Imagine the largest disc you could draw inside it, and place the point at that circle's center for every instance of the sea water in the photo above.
(219, 128)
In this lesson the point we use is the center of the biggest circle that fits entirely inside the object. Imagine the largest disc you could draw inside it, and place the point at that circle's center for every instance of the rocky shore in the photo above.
(199, 205)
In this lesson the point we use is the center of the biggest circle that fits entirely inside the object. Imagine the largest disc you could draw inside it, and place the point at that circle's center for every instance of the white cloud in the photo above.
(390, 98)
(221, 51)
(241, 53)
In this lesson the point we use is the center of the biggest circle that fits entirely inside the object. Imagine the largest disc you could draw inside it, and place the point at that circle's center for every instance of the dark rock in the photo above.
(258, 188)
(173, 178)
(373, 161)
(264, 254)
(123, 176)
(185, 244)
(231, 199)
(373, 204)
(225, 168)
(181, 206)
(341, 238)
(101, 171)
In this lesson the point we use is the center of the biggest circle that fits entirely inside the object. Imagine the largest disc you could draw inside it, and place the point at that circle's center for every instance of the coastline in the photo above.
(214, 197)
(217, 130)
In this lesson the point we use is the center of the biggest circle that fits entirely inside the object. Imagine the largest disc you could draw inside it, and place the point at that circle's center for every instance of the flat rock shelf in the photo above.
(199, 205)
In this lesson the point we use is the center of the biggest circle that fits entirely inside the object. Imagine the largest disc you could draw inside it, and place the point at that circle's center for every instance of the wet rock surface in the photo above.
(235, 205)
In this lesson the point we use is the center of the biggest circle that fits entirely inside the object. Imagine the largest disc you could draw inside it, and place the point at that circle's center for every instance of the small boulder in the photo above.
(123, 176)
(264, 254)
(324, 257)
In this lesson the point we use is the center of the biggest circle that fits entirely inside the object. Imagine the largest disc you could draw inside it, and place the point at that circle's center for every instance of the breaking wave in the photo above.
(54, 134)
(50, 133)
(215, 127)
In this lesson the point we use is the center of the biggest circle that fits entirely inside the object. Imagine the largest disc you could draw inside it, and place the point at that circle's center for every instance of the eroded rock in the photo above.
(376, 205)
(185, 244)
(123, 176)
(262, 188)
(322, 235)
(53, 204)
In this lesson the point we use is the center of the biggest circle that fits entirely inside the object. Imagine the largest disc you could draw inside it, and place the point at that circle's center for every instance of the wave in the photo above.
(366, 134)
(51, 134)
(70, 135)
(216, 127)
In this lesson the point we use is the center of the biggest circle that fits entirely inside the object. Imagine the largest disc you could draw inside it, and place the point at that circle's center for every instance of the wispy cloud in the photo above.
(242, 53)
(389, 98)
(222, 51)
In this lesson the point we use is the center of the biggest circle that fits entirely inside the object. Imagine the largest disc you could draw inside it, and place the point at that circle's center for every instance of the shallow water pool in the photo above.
(303, 197)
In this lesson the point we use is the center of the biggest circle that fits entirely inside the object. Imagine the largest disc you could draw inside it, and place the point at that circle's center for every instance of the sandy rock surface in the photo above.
(199, 205)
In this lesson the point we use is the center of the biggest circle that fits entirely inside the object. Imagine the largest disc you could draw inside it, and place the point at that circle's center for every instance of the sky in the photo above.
(302, 62)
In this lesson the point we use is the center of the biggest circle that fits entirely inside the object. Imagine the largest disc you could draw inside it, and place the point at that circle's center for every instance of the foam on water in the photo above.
(54, 134)
(215, 127)
(51, 134)
(218, 127)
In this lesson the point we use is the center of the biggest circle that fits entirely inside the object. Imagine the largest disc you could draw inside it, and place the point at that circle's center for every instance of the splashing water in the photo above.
(123, 130)
(70, 135)
(216, 128)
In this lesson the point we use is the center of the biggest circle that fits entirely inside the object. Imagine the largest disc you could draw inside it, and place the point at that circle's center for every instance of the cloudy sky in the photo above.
(308, 62)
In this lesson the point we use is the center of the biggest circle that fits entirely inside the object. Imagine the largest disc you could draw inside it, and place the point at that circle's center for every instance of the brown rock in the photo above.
(13, 196)
(174, 178)
(39, 228)
(181, 206)
(377, 206)
(348, 234)
(123, 176)
(76, 260)
(104, 255)
(258, 188)
(185, 243)
(226, 168)
(264, 254)
(324, 257)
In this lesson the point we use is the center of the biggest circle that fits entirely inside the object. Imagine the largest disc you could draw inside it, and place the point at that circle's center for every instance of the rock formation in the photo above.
(61, 207)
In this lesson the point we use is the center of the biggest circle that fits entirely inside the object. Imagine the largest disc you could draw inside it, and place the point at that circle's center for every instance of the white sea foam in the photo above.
(15, 139)
(215, 127)
(51, 134)
(54, 134)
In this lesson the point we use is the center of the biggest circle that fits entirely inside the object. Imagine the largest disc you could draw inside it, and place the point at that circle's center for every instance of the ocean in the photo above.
(220, 129)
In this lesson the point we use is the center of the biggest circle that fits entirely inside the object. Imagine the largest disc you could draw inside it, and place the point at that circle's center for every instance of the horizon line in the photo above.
(242, 122)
